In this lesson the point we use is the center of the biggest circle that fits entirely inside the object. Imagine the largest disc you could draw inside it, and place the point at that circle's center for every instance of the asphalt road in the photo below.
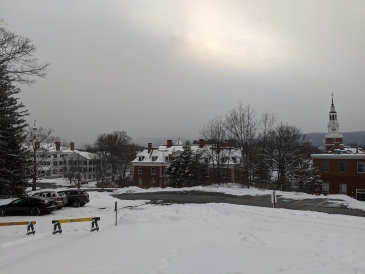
(183, 197)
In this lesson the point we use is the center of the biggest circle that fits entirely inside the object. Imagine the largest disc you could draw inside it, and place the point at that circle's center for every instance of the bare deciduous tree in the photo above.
(242, 126)
(118, 148)
(39, 141)
(262, 170)
(215, 133)
(17, 55)
(286, 154)
(75, 171)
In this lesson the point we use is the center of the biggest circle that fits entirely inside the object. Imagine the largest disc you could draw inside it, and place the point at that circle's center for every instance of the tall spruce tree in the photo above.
(187, 168)
(14, 163)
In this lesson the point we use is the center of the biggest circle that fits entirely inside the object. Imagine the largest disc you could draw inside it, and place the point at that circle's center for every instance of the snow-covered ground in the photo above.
(190, 238)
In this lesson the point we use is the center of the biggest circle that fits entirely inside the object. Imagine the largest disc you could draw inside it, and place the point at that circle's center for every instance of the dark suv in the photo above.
(76, 197)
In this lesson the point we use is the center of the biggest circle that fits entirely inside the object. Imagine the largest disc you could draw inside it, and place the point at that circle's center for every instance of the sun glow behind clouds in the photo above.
(213, 33)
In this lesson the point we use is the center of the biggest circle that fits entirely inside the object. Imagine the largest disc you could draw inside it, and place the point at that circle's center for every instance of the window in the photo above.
(139, 182)
(153, 182)
(234, 159)
(223, 173)
(360, 167)
(206, 172)
(325, 166)
(342, 166)
(167, 159)
(325, 188)
(55, 163)
(140, 158)
(154, 158)
(139, 170)
(153, 170)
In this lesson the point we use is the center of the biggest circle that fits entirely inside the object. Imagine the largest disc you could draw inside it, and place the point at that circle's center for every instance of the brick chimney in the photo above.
(72, 146)
(58, 146)
(201, 143)
(169, 143)
(149, 147)
(37, 145)
(357, 150)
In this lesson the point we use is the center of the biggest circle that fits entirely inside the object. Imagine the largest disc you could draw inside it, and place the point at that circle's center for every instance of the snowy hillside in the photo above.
(190, 238)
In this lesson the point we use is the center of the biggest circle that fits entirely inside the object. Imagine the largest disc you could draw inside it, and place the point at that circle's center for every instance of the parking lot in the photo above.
(330, 206)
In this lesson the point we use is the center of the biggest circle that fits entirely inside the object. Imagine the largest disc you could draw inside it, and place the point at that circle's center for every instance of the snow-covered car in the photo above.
(60, 199)
(28, 206)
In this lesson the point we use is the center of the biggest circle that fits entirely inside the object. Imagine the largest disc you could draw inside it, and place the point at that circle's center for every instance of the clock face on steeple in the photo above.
(333, 128)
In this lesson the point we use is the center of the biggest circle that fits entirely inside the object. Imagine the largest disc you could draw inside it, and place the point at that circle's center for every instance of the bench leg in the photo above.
(55, 230)
(29, 228)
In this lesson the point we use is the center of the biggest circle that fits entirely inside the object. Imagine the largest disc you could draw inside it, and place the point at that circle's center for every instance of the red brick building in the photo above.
(148, 168)
(341, 169)
(342, 174)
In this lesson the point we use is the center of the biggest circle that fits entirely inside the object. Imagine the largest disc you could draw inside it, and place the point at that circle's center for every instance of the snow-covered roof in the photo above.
(157, 155)
(84, 154)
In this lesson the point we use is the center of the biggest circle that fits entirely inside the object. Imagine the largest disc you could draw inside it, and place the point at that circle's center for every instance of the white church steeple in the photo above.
(333, 136)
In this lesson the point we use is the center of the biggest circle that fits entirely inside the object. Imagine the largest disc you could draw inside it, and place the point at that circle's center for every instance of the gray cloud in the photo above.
(162, 68)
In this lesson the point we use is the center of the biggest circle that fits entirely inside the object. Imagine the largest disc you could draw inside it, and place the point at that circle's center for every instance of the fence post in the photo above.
(116, 213)
(273, 199)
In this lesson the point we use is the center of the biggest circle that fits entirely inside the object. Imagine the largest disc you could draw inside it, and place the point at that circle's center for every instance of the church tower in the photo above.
(333, 136)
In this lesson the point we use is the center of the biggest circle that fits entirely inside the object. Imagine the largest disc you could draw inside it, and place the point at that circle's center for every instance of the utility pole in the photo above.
(35, 147)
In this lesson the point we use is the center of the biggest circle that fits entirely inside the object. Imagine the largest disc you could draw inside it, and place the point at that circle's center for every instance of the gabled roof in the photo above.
(157, 155)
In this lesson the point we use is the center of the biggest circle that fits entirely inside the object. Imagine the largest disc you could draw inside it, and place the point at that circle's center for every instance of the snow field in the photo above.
(190, 238)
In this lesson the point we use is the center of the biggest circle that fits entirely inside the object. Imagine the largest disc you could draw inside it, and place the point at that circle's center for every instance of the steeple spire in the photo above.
(333, 110)
(333, 137)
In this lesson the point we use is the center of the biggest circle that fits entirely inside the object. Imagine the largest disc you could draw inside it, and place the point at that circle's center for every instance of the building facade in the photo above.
(342, 174)
(55, 159)
(149, 166)
(341, 168)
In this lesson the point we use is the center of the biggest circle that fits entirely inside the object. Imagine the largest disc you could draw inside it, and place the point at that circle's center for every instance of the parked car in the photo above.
(59, 198)
(28, 206)
(76, 197)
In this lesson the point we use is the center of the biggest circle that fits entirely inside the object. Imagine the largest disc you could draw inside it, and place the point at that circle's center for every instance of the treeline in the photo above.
(271, 155)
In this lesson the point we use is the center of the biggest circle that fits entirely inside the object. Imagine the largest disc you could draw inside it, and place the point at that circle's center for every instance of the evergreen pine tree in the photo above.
(14, 161)
(186, 169)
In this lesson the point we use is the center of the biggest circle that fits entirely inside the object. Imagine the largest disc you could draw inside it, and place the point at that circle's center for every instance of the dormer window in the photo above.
(154, 158)
(140, 158)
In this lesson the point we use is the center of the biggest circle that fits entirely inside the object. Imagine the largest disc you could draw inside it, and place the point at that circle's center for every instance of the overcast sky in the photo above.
(165, 68)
